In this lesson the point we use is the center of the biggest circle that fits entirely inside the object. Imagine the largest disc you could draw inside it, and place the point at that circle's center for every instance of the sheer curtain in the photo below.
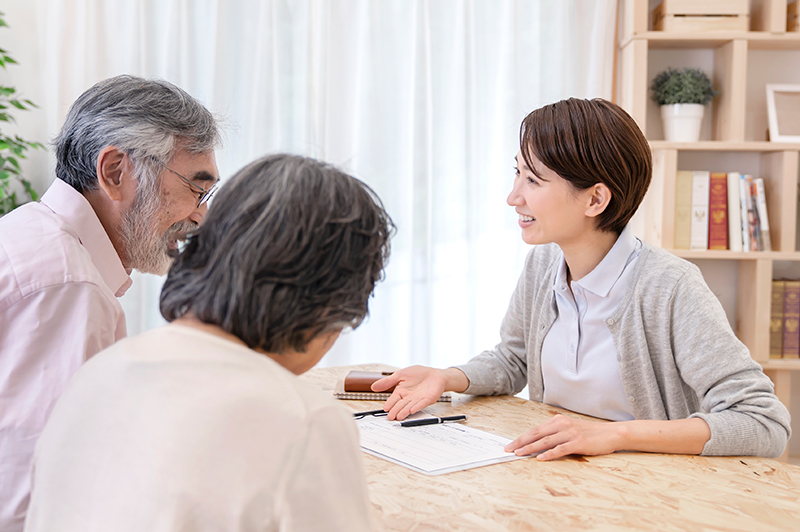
(421, 99)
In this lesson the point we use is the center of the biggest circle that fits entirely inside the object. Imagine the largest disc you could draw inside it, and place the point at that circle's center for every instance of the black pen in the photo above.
(359, 415)
(432, 421)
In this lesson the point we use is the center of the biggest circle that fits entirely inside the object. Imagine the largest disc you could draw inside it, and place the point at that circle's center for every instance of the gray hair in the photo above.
(149, 119)
(290, 249)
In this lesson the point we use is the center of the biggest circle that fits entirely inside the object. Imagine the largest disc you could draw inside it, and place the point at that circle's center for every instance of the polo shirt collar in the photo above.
(600, 280)
(78, 213)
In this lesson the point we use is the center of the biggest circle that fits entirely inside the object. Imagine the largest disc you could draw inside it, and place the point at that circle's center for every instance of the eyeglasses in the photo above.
(376, 413)
(205, 195)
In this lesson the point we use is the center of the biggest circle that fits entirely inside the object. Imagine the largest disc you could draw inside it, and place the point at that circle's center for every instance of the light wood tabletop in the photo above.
(621, 491)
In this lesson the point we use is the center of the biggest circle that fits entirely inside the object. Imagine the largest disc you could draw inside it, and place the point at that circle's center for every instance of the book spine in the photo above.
(734, 213)
(699, 210)
(718, 211)
(791, 319)
(761, 204)
(743, 195)
(776, 319)
(371, 396)
(752, 216)
(683, 210)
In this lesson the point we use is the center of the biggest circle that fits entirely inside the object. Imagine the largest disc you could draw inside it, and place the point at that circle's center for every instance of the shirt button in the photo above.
(610, 321)
(631, 399)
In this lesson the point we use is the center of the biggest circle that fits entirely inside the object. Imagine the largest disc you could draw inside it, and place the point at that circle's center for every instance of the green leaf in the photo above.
(16, 104)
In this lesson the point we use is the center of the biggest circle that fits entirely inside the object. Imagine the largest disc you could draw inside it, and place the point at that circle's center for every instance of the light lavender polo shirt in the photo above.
(579, 359)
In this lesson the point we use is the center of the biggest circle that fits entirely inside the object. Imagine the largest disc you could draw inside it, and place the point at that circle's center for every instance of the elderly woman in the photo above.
(203, 424)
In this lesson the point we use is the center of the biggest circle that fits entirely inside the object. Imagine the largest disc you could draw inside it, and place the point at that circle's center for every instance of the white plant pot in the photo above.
(682, 121)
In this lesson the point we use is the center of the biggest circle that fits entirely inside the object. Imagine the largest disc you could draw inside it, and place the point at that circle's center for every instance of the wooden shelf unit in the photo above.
(777, 163)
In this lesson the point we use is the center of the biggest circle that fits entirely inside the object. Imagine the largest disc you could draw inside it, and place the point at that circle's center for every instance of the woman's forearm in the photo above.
(678, 436)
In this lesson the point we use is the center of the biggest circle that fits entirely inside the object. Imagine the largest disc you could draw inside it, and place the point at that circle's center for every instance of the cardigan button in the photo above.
(610, 321)
(631, 399)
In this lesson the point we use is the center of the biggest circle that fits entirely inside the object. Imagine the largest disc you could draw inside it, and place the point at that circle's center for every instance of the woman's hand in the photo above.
(417, 387)
(562, 435)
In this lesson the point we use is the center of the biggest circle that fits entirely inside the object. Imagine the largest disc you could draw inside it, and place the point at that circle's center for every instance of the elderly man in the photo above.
(135, 167)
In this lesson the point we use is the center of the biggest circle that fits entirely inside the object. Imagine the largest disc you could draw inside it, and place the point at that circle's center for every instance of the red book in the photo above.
(791, 319)
(718, 211)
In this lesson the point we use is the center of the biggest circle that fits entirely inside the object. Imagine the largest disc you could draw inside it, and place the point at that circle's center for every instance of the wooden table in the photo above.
(622, 491)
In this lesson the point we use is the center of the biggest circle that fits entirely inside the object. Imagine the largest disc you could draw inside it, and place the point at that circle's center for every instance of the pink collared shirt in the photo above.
(60, 277)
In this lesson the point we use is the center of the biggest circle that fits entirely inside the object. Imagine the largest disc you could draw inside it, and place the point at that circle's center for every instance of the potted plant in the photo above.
(682, 95)
(12, 148)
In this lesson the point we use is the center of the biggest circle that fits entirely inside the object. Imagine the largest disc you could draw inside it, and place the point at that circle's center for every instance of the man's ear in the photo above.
(114, 173)
(599, 198)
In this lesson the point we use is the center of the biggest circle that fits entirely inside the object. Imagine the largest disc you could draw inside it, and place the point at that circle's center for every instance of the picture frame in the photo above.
(783, 112)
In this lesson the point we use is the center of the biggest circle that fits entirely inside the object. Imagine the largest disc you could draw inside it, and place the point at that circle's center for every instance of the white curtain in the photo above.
(421, 99)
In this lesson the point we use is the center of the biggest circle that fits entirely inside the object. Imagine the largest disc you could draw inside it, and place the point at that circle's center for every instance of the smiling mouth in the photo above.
(523, 218)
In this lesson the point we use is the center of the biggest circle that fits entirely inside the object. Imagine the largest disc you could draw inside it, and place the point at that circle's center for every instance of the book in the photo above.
(761, 208)
(754, 226)
(356, 387)
(683, 209)
(744, 194)
(718, 210)
(699, 230)
(776, 319)
(734, 213)
(791, 319)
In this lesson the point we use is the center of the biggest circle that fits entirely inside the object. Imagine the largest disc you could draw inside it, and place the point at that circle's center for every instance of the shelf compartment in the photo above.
(779, 169)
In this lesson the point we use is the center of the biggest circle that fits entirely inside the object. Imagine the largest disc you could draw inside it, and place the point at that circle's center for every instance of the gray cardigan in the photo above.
(677, 354)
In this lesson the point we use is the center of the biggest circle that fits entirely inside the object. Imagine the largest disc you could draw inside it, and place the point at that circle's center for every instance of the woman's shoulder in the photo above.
(658, 263)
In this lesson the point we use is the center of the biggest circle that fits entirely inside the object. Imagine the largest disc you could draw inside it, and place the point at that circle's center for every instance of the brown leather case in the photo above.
(360, 381)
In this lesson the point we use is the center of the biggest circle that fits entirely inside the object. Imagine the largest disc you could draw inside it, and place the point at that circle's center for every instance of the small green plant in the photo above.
(12, 149)
(687, 85)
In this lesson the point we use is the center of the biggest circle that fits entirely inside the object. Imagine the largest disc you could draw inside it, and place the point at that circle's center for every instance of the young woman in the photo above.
(602, 323)
(202, 424)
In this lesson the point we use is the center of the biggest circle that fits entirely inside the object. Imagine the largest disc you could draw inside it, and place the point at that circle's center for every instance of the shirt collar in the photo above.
(77, 212)
(600, 280)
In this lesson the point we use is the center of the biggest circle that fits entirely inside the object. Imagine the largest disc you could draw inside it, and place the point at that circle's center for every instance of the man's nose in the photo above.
(199, 213)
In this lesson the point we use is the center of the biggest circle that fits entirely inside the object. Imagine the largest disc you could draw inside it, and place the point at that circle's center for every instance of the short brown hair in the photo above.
(588, 142)
(291, 248)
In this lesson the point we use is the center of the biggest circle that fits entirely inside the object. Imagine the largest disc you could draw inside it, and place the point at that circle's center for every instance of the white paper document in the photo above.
(432, 449)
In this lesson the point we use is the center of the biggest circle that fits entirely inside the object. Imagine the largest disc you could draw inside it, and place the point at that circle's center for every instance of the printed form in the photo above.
(432, 449)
